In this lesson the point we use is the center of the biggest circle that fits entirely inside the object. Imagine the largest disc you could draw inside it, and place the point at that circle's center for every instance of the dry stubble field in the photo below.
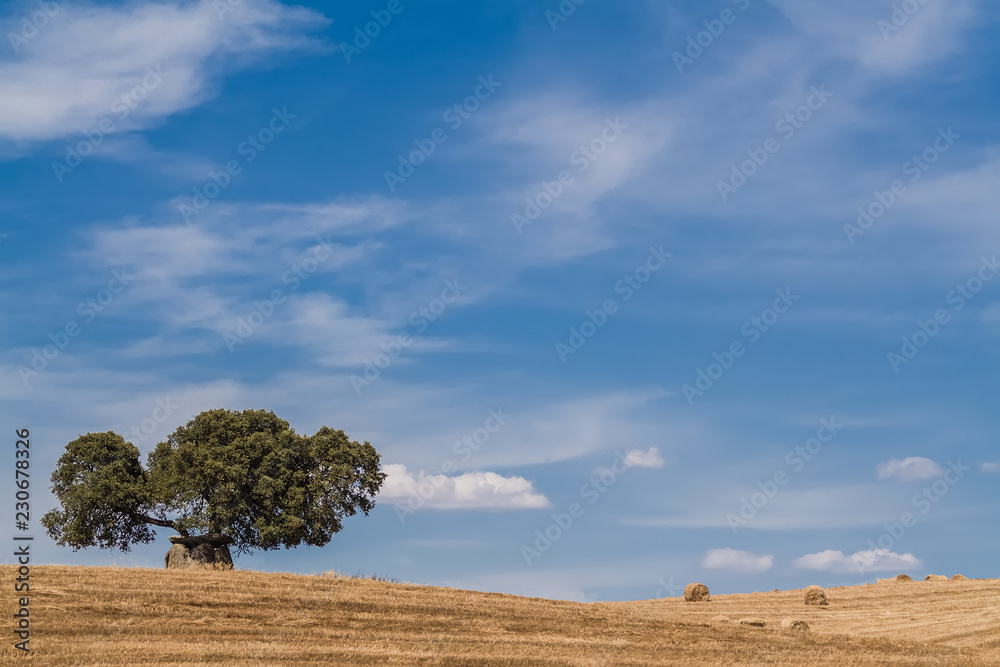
(124, 616)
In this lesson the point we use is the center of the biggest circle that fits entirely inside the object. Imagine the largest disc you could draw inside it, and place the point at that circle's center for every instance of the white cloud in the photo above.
(738, 561)
(637, 458)
(68, 77)
(877, 560)
(990, 467)
(473, 490)
(909, 469)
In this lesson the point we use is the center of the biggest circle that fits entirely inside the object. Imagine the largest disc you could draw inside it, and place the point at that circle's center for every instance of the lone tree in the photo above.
(245, 479)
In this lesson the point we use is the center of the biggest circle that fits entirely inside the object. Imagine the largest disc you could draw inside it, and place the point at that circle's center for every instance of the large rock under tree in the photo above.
(199, 551)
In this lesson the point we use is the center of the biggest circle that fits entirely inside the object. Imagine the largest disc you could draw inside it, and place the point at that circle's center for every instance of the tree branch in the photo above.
(161, 523)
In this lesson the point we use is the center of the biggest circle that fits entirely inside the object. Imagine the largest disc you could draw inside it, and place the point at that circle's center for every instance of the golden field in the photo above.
(126, 616)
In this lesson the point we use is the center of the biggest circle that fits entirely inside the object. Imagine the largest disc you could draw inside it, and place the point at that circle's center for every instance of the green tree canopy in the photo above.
(246, 475)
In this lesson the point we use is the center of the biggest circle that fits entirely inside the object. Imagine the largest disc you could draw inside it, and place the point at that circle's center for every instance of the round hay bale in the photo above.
(900, 578)
(696, 593)
(958, 577)
(935, 577)
(816, 596)
(755, 622)
(793, 625)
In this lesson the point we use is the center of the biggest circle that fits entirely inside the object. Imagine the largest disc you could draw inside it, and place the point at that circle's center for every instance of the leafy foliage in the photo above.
(245, 474)
(103, 492)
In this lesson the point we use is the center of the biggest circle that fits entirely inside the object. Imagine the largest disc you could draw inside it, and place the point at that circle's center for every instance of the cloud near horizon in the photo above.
(873, 560)
(472, 490)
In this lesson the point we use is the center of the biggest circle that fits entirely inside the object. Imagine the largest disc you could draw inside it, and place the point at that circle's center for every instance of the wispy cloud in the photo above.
(68, 77)
(790, 509)
(880, 36)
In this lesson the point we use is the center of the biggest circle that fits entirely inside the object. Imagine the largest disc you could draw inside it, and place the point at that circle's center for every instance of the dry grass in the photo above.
(122, 616)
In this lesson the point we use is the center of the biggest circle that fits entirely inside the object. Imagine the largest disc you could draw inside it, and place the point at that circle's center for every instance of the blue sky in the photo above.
(627, 296)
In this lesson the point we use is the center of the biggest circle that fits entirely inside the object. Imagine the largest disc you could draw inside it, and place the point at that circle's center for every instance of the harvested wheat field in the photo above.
(119, 616)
